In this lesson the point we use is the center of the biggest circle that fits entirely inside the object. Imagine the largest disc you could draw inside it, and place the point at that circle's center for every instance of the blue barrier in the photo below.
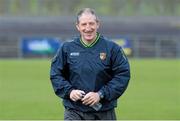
(39, 45)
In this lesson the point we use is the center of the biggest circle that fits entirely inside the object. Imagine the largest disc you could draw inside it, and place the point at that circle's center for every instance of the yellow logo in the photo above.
(102, 56)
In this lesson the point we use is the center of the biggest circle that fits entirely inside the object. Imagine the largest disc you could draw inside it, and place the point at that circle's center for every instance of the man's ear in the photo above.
(98, 24)
(77, 26)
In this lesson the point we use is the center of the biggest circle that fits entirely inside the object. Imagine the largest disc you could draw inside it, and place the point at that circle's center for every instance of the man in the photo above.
(89, 73)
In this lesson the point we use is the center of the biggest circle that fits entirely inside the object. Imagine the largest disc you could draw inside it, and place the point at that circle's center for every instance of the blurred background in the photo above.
(31, 31)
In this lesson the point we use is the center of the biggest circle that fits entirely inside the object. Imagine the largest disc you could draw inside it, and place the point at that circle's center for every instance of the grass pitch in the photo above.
(153, 92)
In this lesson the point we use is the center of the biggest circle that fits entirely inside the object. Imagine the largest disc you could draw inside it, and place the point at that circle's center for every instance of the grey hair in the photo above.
(86, 10)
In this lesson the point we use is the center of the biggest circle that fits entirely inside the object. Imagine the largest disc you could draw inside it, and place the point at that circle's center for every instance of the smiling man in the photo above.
(89, 73)
(87, 24)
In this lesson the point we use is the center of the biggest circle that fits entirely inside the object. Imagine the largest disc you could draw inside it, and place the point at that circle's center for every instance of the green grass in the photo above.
(153, 91)
(26, 91)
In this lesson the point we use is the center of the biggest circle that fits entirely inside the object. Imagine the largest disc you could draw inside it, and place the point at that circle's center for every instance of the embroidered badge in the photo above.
(102, 56)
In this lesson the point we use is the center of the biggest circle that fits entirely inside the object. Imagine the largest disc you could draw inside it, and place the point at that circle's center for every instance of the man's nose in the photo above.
(88, 27)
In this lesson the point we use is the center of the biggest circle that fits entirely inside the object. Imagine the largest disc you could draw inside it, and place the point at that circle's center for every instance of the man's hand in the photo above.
(91, 98)
(76, 95)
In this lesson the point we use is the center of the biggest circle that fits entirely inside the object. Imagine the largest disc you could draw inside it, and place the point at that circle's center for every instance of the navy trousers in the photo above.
(71, 114)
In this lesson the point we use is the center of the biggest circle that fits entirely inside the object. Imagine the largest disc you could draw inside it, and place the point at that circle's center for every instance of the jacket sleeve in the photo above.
(58, 70)
(121, 75)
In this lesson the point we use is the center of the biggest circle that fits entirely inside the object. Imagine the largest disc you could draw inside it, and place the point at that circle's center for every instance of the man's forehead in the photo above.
(87, 16)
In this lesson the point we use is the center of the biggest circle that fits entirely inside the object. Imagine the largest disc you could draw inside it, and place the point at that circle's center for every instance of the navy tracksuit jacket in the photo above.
(101, 67)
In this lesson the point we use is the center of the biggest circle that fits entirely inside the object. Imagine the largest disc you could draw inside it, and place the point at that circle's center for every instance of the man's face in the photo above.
(87, 26)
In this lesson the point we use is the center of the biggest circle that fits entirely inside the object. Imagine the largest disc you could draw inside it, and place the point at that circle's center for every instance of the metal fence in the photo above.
(156, 37)
(142, 47)
(161, 47)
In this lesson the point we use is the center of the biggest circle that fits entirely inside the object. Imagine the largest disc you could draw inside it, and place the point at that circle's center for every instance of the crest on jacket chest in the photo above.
(102, 56)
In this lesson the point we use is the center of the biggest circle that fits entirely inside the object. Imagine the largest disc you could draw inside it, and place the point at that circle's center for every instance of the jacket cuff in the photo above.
(69, 92)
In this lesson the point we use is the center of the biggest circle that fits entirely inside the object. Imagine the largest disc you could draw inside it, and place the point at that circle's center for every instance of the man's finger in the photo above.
(87, 102)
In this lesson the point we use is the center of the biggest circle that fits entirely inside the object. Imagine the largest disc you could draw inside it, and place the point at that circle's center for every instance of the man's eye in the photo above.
(83, 24)
(91, 23)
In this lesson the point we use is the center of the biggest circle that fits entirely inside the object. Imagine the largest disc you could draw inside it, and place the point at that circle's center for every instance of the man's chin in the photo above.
(89, 38)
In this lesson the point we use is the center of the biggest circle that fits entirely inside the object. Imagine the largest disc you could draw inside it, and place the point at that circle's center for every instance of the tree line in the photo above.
(103, 7)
